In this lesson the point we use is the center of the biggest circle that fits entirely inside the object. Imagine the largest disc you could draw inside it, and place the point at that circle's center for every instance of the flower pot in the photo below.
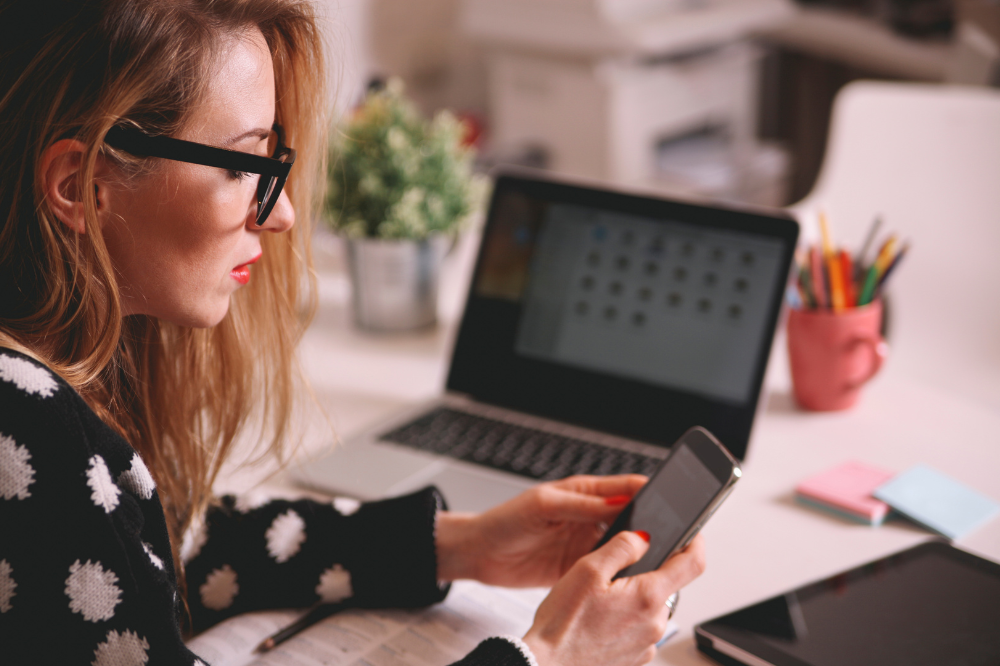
(395, 282)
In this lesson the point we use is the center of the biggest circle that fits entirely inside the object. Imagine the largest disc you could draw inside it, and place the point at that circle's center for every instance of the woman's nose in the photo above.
(281, 218)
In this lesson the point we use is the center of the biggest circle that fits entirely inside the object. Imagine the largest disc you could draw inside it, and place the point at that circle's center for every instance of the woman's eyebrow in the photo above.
(260, 132)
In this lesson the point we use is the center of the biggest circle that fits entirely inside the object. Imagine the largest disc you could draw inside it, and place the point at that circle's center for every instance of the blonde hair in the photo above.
(180, 396)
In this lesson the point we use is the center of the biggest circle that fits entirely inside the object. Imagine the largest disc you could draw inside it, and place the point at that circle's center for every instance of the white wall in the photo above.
(345, 25)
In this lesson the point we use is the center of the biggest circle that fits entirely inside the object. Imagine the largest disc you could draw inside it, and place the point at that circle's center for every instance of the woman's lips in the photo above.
(242, 272)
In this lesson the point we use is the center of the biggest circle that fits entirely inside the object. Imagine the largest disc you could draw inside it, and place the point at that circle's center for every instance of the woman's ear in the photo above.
(60, 180)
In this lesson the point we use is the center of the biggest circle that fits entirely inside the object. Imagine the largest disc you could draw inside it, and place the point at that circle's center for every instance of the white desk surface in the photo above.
(760, 542)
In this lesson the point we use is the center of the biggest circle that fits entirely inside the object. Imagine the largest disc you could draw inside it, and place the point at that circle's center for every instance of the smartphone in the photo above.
(680, 497)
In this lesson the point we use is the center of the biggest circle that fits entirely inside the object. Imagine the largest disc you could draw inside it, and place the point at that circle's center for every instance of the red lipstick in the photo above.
(242, 272)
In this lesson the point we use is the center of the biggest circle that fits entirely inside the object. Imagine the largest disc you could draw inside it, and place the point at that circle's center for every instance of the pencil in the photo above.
(878, 269)
(819, 286)
(832, 266)
(847, 274)
(885, 254)
(824, 230)
(316, 613)
(868, 290)
(836, 282)
(869, 239)
(806, 283)
(892, 266)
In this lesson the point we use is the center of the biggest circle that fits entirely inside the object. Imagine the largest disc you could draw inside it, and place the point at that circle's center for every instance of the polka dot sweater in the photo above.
(86, 572)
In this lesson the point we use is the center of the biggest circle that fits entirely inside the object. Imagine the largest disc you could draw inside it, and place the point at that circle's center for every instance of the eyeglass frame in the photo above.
(136, 142)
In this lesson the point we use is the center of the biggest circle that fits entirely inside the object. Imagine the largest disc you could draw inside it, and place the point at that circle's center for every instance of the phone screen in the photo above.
(667, 506)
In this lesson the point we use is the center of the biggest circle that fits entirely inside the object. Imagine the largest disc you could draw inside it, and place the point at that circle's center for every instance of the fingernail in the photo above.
(617, 500)
(643, 534)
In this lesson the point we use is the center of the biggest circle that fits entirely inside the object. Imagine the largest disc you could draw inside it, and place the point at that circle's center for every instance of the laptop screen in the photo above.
(636, 316)
(654, 300)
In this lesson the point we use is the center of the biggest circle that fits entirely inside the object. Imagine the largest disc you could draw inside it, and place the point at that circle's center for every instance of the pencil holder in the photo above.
(833, 354)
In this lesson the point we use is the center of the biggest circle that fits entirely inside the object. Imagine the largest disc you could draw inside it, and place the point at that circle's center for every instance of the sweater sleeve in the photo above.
(499, 651)
(288, 554)
(86, 575)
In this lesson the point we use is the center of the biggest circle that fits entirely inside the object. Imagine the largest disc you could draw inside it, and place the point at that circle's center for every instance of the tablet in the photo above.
(930, 605)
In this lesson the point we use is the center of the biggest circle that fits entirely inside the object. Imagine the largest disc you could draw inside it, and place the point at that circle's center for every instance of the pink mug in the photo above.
(834, 354)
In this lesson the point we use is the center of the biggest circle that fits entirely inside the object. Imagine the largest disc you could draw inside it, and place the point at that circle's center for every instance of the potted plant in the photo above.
(400, 188)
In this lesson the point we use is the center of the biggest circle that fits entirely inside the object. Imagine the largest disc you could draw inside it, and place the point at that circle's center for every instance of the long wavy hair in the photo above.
(180, 396)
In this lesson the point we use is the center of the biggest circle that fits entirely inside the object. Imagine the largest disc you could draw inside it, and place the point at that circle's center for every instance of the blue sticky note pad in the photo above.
(936, 501)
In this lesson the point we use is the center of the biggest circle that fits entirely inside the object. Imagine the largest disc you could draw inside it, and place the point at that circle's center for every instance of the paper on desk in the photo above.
(434, 636)
(937, 501)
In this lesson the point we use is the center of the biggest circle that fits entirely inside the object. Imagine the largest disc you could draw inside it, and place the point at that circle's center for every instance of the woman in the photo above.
(147, 162)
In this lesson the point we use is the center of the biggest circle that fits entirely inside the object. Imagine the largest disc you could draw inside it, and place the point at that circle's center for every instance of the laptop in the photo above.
(599, 327)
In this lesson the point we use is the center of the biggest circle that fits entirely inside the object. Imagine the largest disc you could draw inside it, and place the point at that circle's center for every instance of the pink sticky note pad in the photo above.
(848, 488)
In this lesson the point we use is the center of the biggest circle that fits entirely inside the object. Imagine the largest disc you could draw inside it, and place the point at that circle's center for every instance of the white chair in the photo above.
(927, 159)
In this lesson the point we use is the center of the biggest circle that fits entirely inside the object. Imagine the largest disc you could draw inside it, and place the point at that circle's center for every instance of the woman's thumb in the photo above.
(622, 550)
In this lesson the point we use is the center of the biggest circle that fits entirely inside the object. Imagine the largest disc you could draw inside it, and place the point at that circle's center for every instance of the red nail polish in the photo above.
(643, 534)
(617, 500)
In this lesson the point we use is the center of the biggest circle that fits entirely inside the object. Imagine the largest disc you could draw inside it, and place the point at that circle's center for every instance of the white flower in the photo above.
(194, 538)
(219, 589)
(7, 586)
(105, 492)
(124, 649)
(285, 536)
(16, 474)
(346, 505)
(395, 86)
(435, 206)
(138, 480)
(27, 376)
(396, 139)
(335, 585)
(92, 591)
(157, 562)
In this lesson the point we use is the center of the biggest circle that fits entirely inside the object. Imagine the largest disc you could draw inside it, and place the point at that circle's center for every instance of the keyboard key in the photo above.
(532, 453)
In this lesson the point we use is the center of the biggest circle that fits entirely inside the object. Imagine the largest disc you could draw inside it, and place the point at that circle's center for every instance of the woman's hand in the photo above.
(590, 619)
(535, 538)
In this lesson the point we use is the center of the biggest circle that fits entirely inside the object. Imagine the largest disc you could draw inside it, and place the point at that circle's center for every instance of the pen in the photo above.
(318, 612)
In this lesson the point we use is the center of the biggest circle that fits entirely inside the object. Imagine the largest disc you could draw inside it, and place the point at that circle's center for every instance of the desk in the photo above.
(760, 542)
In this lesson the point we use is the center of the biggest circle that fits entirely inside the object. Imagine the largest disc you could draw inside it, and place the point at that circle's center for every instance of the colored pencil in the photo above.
(836, 283)
(847, 274)
(885, 254)
(877, 270)
(892, 266)
(862, 261)
(868, 290)
(828, 277)
(819, 285)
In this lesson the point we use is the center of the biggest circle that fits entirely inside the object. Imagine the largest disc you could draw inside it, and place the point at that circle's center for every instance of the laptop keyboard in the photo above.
(533, 453)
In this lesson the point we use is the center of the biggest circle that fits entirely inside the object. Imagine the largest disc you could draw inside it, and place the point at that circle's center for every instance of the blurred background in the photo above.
(726, 100)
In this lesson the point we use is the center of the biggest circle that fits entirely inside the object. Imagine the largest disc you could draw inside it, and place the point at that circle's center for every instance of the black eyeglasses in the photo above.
(273, 171)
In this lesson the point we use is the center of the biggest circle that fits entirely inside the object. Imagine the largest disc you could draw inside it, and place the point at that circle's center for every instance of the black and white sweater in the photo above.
(86, 572)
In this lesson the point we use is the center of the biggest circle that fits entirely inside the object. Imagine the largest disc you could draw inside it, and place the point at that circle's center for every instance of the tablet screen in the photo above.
(929, 605)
